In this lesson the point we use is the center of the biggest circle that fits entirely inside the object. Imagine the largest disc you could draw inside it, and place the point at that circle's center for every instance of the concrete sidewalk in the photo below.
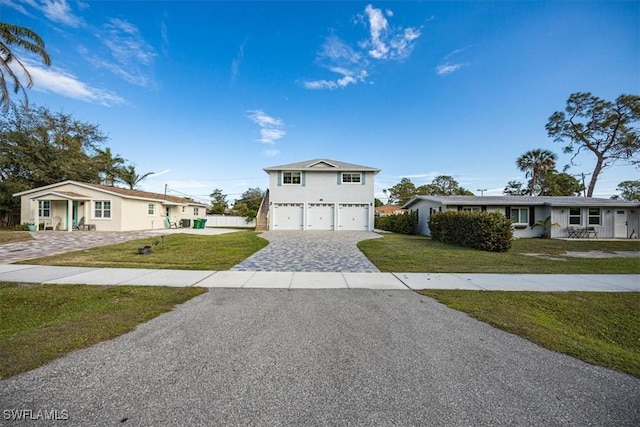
(315, 280)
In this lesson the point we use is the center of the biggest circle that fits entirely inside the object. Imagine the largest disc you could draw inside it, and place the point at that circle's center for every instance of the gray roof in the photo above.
(322, 165)
(522, 201)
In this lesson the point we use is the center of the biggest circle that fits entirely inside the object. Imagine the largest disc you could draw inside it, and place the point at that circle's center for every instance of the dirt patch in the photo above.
(588, 254)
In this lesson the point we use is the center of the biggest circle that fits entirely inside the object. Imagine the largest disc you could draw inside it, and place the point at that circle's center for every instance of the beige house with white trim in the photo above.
(72, 205)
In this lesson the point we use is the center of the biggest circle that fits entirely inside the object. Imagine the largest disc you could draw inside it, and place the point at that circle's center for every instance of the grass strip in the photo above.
(175, 251)
(420, 254)
(39, 323)
(601, 328)
(7, 236)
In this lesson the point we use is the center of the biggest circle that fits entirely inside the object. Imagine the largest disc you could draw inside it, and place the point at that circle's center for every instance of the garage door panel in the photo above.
(288, 216)
(320, 216)
(353, 216)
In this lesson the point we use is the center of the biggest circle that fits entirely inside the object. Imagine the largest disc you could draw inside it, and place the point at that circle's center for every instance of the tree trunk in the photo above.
(594, 176)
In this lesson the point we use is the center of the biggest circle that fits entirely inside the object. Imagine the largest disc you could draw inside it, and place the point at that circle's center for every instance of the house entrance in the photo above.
(620, 224)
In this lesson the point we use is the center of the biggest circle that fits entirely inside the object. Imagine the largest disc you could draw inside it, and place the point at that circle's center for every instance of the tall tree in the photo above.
(219, 202)
(108, 165)
(402, 192)
(443, 185)
(11, 66)
(535, 164)
(38, 147)
(129, 176)
(629, 190)
(609, 130)
(249, 203)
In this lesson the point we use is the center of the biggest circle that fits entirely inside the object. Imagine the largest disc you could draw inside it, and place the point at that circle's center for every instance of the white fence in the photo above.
(229, 221)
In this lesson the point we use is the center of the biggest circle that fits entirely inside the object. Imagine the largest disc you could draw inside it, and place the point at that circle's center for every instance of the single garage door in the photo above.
(353, 216)
(287, 216)
(320, 216)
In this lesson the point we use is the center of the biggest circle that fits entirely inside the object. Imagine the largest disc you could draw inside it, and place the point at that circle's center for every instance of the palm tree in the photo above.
(536, 163)
(108, 165)
(13, 35)
(128, 175)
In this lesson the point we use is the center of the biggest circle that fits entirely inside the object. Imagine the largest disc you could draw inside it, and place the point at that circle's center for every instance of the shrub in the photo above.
(21, 227)
(488, 231)
(404, 223)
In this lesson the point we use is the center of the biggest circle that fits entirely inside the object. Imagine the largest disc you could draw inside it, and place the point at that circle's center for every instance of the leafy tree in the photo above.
(629, 190)
(443, 185)
(377, 203)
(608, 129)
(38, 147)
(514, 188)
(129, 176)
(249, 203)
(535, 164)
(559, 184)
(219, 202)
(24, 38)
(402, 192)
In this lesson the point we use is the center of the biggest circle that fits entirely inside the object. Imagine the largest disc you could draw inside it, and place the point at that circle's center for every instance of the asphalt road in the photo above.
(329, 357)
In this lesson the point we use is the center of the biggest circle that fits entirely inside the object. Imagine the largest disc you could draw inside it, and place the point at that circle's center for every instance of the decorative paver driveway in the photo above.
(311, 251)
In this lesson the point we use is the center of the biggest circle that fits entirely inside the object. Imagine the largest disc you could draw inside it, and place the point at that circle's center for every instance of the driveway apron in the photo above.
(311, 251)
(332, 357)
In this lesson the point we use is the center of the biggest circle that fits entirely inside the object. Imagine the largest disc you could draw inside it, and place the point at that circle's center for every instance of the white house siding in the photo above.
(316, 189)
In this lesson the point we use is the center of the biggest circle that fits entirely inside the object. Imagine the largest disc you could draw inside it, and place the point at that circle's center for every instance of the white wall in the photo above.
(229, 221)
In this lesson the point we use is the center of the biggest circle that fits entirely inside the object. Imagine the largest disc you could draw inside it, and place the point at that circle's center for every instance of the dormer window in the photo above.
(351, 177)
(292, 178)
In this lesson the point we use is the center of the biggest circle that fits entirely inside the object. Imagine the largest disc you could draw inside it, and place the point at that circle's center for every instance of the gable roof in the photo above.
(322, 165)
(122, 192)
(522, 201)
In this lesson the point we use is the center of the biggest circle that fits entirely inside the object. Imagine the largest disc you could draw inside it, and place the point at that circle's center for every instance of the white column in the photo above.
(69, 216)
(36, 213)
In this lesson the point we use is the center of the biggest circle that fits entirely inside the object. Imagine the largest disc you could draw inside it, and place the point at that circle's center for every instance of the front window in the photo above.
(574, 216)
(151, 209)
(594, 216)
(196, 211)
(520, 215)
(102, 209)
(471, 209)
(44, 208)
(291, 177)
(351, 178)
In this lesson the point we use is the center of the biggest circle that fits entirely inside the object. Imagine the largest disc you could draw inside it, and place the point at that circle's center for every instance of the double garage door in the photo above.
(320, 216)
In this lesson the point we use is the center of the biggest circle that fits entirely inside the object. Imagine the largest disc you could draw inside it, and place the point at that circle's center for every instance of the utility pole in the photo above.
(165, 191)
(584, 187)
(481, 190)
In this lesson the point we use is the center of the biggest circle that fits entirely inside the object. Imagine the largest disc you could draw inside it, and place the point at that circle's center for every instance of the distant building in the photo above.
(387, 210)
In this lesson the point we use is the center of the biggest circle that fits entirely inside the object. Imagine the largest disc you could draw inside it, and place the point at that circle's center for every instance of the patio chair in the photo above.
(82, 226)
(169, 224)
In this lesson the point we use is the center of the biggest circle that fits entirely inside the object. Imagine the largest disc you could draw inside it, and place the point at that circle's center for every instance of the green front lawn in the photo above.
(40, 323)
(601, 328)
(401, 253)
(7, 236)
(174, 251)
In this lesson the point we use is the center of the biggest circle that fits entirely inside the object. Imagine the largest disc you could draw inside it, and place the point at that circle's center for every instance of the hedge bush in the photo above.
(405, 223)
(488, 231)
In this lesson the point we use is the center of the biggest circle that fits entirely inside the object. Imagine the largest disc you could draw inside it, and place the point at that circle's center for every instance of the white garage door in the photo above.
(287, 216)
(353, 216)
(320, 216)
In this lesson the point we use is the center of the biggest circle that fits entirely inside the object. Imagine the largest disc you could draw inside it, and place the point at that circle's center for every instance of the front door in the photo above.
(74, 214)
(620, 224)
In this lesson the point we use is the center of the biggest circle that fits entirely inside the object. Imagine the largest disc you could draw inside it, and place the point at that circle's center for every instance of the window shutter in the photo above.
(339, 178)
(483, 208)
(507, 212)
(279, 178)
(362, 174)
(532, 214)
(303, 176)
(459, 208)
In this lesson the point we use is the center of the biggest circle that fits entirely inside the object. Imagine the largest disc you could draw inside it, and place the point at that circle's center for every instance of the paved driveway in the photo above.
(330, 357)
(311, 251)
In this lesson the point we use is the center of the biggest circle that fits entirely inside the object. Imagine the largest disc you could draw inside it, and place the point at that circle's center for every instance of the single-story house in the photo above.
(603, 218)
(387, 210)
(69, 204)
(320, 194)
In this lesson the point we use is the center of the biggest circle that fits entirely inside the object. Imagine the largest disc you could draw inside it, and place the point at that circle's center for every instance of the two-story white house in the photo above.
(321, 194)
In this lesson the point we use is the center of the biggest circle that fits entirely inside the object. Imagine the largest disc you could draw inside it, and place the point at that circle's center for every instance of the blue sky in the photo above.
(208, 93)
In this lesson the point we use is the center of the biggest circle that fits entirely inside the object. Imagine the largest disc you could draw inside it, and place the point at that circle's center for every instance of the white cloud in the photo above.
(237, 61)
(447, 67)
(272, 153)
(131, 56)
(386, 42)
(59, 11)
(65, 84)
(162, 172)
(270, 127)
